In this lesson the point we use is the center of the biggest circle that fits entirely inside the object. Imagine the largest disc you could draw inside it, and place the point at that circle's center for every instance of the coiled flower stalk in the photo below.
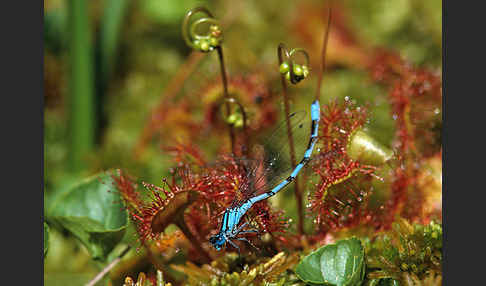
(203, 42)
(206, 42)
(292, 71)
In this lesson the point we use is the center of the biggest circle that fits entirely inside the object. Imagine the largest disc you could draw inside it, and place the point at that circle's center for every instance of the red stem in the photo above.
(226, 96)
(323, 56)
(298, 194)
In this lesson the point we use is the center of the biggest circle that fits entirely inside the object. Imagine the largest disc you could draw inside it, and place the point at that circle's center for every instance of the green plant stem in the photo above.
(298, 194)
(226, 95)
(111, 24)
(82, 114)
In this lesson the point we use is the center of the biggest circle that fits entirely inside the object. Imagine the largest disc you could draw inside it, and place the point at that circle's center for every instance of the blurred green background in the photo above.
(107, 64)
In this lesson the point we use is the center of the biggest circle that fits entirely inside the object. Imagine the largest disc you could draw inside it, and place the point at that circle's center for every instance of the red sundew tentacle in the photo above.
(412, 92)
(351, 191)
(186, 154)
(340, 199)
(216, 185)
(128, 191)
(415, 95)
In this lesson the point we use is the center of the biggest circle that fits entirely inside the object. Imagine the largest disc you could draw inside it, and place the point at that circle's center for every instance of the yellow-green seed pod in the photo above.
(298, 70)
(214, 42)
(232, 118)
(365, 149)
(204, 46)
(239, 123)
(284, 68)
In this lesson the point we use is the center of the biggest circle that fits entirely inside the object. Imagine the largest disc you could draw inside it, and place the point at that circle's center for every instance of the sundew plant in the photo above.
(242, 142)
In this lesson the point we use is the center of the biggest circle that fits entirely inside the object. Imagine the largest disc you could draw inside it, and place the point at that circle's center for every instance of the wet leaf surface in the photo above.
(334, 264)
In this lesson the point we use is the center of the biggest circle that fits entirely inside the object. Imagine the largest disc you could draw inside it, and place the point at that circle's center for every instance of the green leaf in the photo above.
(334, 264)
(46, 239)
(309, 269)
(93, 212)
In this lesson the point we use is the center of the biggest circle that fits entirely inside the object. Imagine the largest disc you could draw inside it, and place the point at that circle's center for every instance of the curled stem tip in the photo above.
(208, 41)
(202, 41)
(292, 71)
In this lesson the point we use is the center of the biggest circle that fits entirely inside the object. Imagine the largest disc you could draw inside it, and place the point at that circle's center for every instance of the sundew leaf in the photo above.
(337, 264)
(93, 212)
(46, 239)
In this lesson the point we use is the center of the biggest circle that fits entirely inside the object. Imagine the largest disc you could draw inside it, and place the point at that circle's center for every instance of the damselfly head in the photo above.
(217, 241)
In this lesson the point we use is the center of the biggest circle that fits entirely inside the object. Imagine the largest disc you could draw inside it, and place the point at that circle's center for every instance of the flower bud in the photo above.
(367, 150)
(204, 46)
(284, 68)
(214, 42)
(298, 70)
